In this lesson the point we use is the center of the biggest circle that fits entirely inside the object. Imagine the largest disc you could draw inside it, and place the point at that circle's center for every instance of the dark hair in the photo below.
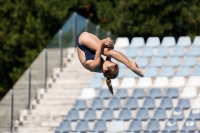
(111, 73)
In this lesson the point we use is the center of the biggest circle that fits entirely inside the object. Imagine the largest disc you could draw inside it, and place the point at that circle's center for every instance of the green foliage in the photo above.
(28, 25)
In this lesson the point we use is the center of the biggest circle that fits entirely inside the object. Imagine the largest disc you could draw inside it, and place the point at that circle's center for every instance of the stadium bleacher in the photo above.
(165, 100)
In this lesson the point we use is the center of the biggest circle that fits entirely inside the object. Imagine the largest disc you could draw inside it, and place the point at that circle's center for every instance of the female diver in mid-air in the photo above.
(89, 50)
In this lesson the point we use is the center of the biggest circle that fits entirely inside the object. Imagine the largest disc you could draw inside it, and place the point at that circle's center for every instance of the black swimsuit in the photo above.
(89, 54)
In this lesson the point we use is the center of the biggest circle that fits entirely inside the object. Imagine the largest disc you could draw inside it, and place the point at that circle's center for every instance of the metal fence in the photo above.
(35, 77)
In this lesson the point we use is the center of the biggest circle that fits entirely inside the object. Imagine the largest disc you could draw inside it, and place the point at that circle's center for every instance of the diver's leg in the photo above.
(123, 59)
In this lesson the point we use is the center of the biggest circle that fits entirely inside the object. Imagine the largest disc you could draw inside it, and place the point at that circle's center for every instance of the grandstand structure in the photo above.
(165, 100)
(74, 100)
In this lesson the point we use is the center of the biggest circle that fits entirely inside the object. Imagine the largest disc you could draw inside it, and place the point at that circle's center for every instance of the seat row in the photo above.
(178, 51)
(155, 41)
(126, 115)
(160, 82)
(132, 103)
(152, 71)
(135, 126)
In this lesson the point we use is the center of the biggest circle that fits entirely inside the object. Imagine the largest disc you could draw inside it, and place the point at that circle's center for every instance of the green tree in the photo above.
(28, 25)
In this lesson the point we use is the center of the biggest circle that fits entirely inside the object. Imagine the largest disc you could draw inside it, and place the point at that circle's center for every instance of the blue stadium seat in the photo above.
(121, 73)
(142, 62)
(135, 126)
(121, 93)
(183, 103)
(179, 51)
(147, 52)
(131, 52)
(172, 93)
(138, 93)
(104, 93)
(189, 61)
(171, 126)
(73, 115)
(64, 127)
(194, 51)
(166, 103)
(95, 83)
(100, 126)
(184, 41)
(155, 93)
(152, 42)
(131, 103)
(162, 52)
(142, 114)
(137, 42)
(149, 103)
(90, 115)
(167, 72)
(183, 71)
(197, 71)
(157, 62)
(194, 114)
(132, 74)
(168, 41)
(121, 65)
(114, 103)
(125, 114)
(160, 114)
(153, 126)
(80, 104)
(177, 114)
(82, 126)
(97, 104)
(189, 126)
(173, 62)
(151, 72)
(99, 75)
(107, 115)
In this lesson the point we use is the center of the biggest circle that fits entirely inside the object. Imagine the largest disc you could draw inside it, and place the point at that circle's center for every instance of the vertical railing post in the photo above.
(29, 88)
(61, 49)
(86, 24)
(74, 29)
(108, 33)
(97, 31)
(46, 69)
(11, 110)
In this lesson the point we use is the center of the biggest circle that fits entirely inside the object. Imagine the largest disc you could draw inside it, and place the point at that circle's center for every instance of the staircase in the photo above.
(51, 105)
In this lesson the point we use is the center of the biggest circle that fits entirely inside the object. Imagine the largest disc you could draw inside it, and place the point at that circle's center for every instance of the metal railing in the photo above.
(36, 76)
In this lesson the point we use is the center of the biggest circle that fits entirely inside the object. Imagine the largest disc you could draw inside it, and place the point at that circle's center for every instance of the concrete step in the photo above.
(33, 121)
(49, 107)
(36, 129)
(69, 86)
(54, 102)
(46, 112)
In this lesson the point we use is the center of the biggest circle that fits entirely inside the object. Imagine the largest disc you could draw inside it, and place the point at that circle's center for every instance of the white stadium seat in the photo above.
(177, 81)
(122, 42)
(161, 82)
(189, 92)
(194, 81)
(153, 42)
(144, 82)
(127, 82)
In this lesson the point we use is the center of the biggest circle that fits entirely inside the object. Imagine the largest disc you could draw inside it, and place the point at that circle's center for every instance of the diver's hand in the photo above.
(136, 70)
(108, 42)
